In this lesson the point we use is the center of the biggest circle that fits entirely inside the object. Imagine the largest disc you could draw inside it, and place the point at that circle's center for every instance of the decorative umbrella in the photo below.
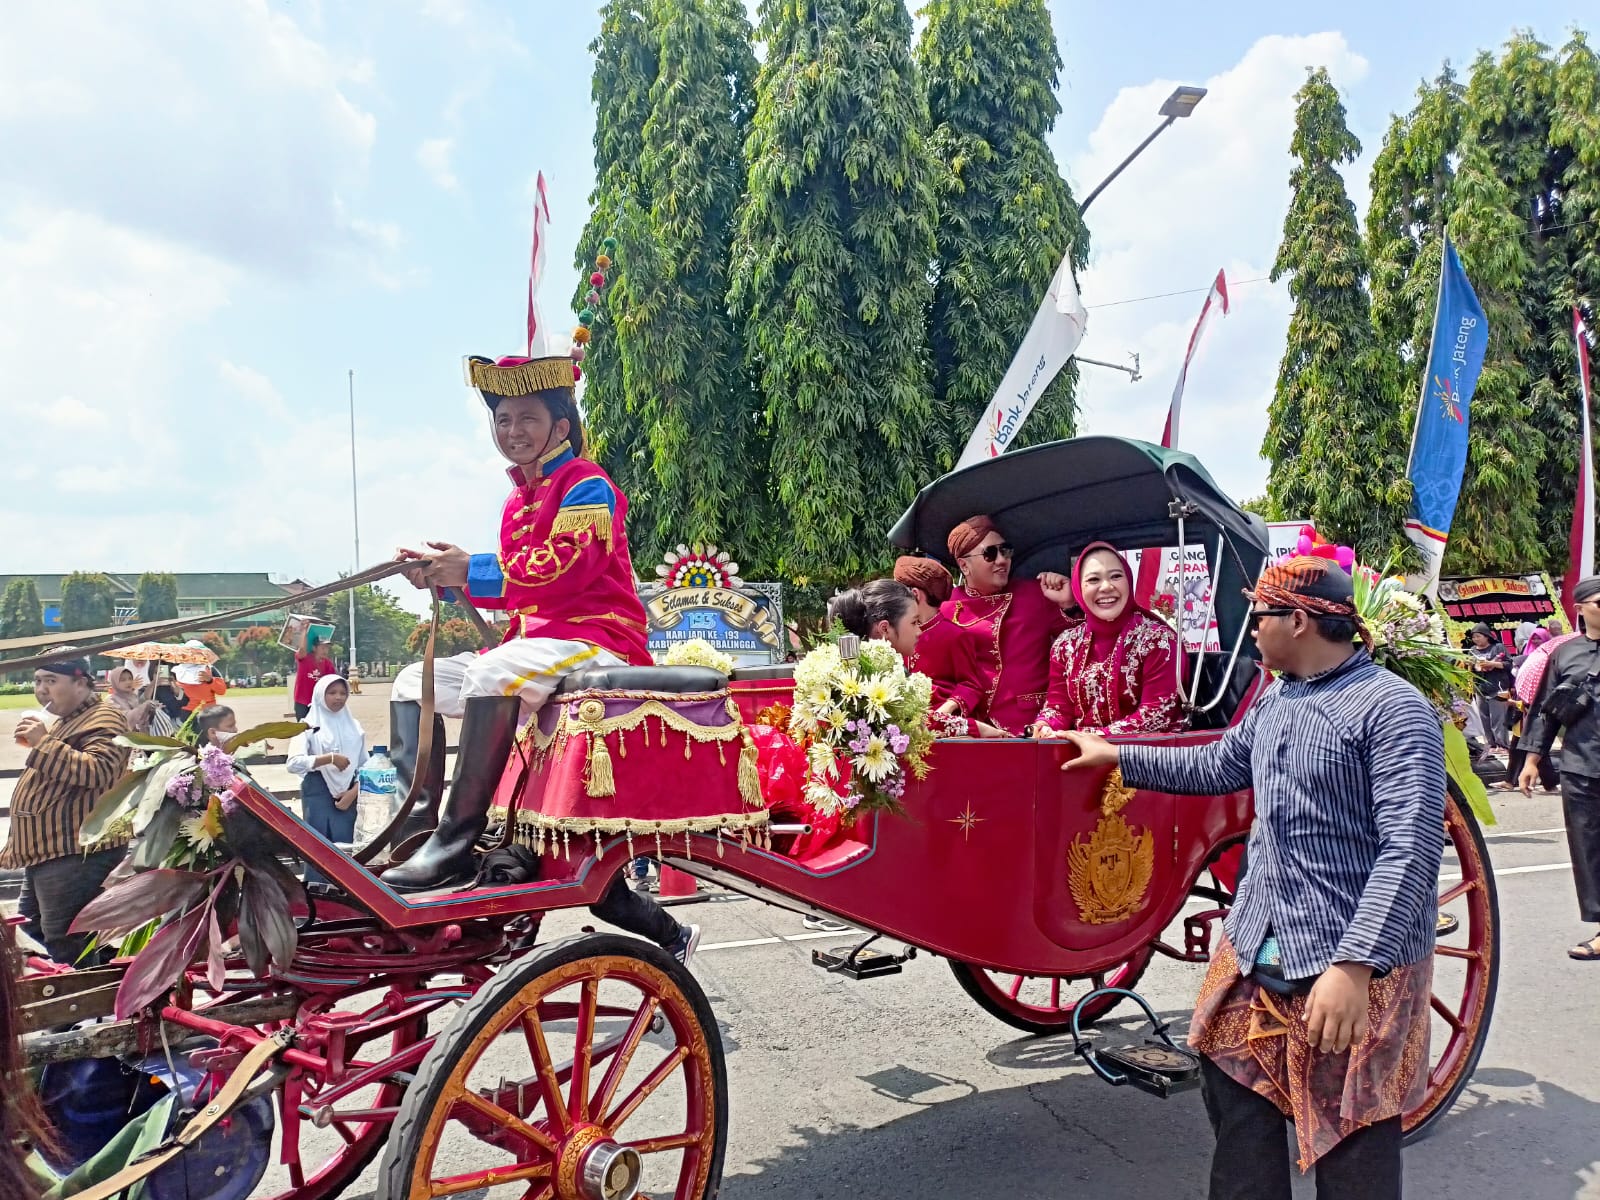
(169, 652)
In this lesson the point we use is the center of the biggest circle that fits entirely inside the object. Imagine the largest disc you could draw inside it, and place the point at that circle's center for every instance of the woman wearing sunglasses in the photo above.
(1019, 619)
(1115, 672)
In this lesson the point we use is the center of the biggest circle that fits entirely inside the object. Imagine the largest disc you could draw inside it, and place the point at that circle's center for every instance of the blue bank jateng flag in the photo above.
(1439, 444)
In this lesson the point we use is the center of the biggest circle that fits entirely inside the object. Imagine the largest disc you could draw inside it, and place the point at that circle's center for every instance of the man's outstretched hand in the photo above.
(445, 567)
(1093, 750)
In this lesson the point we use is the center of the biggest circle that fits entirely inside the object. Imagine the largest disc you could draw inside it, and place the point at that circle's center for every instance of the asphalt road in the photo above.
(901, 1086)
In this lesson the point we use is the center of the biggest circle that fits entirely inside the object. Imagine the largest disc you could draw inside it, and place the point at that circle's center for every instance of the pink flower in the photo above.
(216, 767)
(178, 786)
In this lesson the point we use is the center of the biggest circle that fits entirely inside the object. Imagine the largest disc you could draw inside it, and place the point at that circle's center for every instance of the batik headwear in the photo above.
(964, 538)
(190, 672)
(1586, 588)
(929, 574)
(1319, 586)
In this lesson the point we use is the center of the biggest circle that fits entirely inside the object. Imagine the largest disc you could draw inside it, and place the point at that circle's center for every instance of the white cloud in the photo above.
(1210, 192)
(222, 127)
(434, 157)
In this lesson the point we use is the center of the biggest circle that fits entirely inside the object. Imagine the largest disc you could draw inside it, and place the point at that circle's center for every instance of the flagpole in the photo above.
(1422, 396)
(355, 514)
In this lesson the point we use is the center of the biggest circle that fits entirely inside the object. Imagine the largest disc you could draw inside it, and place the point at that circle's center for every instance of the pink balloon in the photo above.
(1346, 557)
(1303, 545)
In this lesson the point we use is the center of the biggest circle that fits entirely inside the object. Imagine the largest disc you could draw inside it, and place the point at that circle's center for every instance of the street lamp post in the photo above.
(355, 517)
(1180, 104)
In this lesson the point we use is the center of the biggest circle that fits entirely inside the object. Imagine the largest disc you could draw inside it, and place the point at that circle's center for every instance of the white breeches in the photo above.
(526, 667)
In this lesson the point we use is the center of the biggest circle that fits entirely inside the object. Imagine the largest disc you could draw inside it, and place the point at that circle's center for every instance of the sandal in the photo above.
(1586, 951)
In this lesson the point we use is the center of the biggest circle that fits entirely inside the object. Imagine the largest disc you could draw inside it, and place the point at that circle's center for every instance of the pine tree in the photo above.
(21, 614)
(1005, 214)
(1331, 431)
(156, 596)
(831, 264)
(685, 381)
(625, 57)
(87, 601)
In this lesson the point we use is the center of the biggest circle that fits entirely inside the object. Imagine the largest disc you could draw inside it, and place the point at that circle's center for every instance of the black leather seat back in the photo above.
(642, 679)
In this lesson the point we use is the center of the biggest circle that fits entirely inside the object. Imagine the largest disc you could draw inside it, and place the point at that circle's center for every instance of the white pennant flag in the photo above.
(1051, 340)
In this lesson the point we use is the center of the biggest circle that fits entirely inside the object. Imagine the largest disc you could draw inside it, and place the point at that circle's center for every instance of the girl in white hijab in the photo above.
(332, 751)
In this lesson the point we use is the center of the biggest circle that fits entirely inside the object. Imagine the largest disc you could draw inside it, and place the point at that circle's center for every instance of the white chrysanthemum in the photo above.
(879, 694)
(848, 683)
(817, 668)
(822, 762)
(697, 652)
(823, 798)
(876, 761)
(879, 656)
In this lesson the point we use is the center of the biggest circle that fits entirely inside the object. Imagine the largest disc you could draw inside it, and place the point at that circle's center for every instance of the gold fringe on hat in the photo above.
(540, 375)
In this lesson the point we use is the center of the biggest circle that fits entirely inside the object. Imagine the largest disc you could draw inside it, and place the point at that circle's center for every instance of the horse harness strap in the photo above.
(220, 1106)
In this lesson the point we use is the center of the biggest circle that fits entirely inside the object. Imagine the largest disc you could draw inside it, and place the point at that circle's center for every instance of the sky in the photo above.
(213, 211)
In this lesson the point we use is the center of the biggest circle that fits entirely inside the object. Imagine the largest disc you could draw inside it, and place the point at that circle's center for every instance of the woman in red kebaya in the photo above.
(1116, 672)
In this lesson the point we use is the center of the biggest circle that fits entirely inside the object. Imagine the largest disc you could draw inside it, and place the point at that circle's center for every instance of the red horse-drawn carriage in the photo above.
(438, 1032)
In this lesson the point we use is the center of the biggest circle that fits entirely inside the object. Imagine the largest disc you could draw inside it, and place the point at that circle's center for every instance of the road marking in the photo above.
(773, 941)
(1561, 866)
(1523, 833)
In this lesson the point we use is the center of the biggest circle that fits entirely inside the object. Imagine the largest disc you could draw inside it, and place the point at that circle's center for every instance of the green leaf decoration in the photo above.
(273, 730)
(116, 805)
(156, 840)
(1458, 763)
(150, 741)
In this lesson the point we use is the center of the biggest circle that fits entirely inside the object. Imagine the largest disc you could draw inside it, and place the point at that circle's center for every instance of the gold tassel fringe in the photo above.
(749, 773)
(599, 779)
(584, 516)
(540, 375)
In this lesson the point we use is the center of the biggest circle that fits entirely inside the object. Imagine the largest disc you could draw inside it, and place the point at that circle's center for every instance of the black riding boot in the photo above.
(488, 733)
(405, 739)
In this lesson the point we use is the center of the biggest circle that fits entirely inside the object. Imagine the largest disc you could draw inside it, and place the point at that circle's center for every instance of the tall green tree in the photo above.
(831, 275)
(625, 65)
(685, 379)
(21, 614)
(382, 626)
(1005, 214)
(88, 601)
(1575, 134)
(1501, 187)
(156, 596)
(1331, 435)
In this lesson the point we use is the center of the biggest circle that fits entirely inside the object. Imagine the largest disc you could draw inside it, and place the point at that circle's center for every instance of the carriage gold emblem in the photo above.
(1109, 870)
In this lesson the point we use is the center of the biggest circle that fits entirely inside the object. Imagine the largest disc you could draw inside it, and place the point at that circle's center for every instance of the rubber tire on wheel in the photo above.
(1481, 934)
(410, 1127)
(979, 983)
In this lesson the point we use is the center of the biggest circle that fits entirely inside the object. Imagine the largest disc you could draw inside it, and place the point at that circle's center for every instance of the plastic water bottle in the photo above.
(379, 797)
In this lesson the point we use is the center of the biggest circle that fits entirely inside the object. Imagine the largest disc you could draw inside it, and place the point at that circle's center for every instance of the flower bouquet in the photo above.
(697, 652)
(863, 722)
(199, 864)
(1409, 639)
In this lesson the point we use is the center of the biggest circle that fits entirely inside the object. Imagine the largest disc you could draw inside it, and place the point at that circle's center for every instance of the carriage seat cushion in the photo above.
(642, 679)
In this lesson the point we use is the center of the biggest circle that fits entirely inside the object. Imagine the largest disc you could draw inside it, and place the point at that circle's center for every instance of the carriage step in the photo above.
(1152, 1066)
(858, 962)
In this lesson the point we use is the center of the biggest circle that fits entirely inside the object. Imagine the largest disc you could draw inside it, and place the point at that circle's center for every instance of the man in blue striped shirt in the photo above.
(1316, 1006)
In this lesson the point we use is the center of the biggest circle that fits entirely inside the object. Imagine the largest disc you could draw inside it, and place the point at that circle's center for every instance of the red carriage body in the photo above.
(1044, 878)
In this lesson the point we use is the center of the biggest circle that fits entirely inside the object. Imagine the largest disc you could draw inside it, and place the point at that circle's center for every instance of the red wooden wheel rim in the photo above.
(1477, 945)
(1041, 1000)
(589, 1105)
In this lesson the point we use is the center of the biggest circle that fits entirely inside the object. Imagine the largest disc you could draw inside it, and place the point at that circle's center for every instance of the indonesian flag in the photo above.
(1216, 300)
(541, 216)
(1580, 544)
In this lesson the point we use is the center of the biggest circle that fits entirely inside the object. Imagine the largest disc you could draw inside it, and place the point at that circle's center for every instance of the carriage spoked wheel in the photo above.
(591, 1069)
(1466, 966)
(1045, 1004)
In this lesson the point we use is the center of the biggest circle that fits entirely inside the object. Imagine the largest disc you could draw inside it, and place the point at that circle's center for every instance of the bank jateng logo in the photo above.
(1447, 390)
(1005, 420)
